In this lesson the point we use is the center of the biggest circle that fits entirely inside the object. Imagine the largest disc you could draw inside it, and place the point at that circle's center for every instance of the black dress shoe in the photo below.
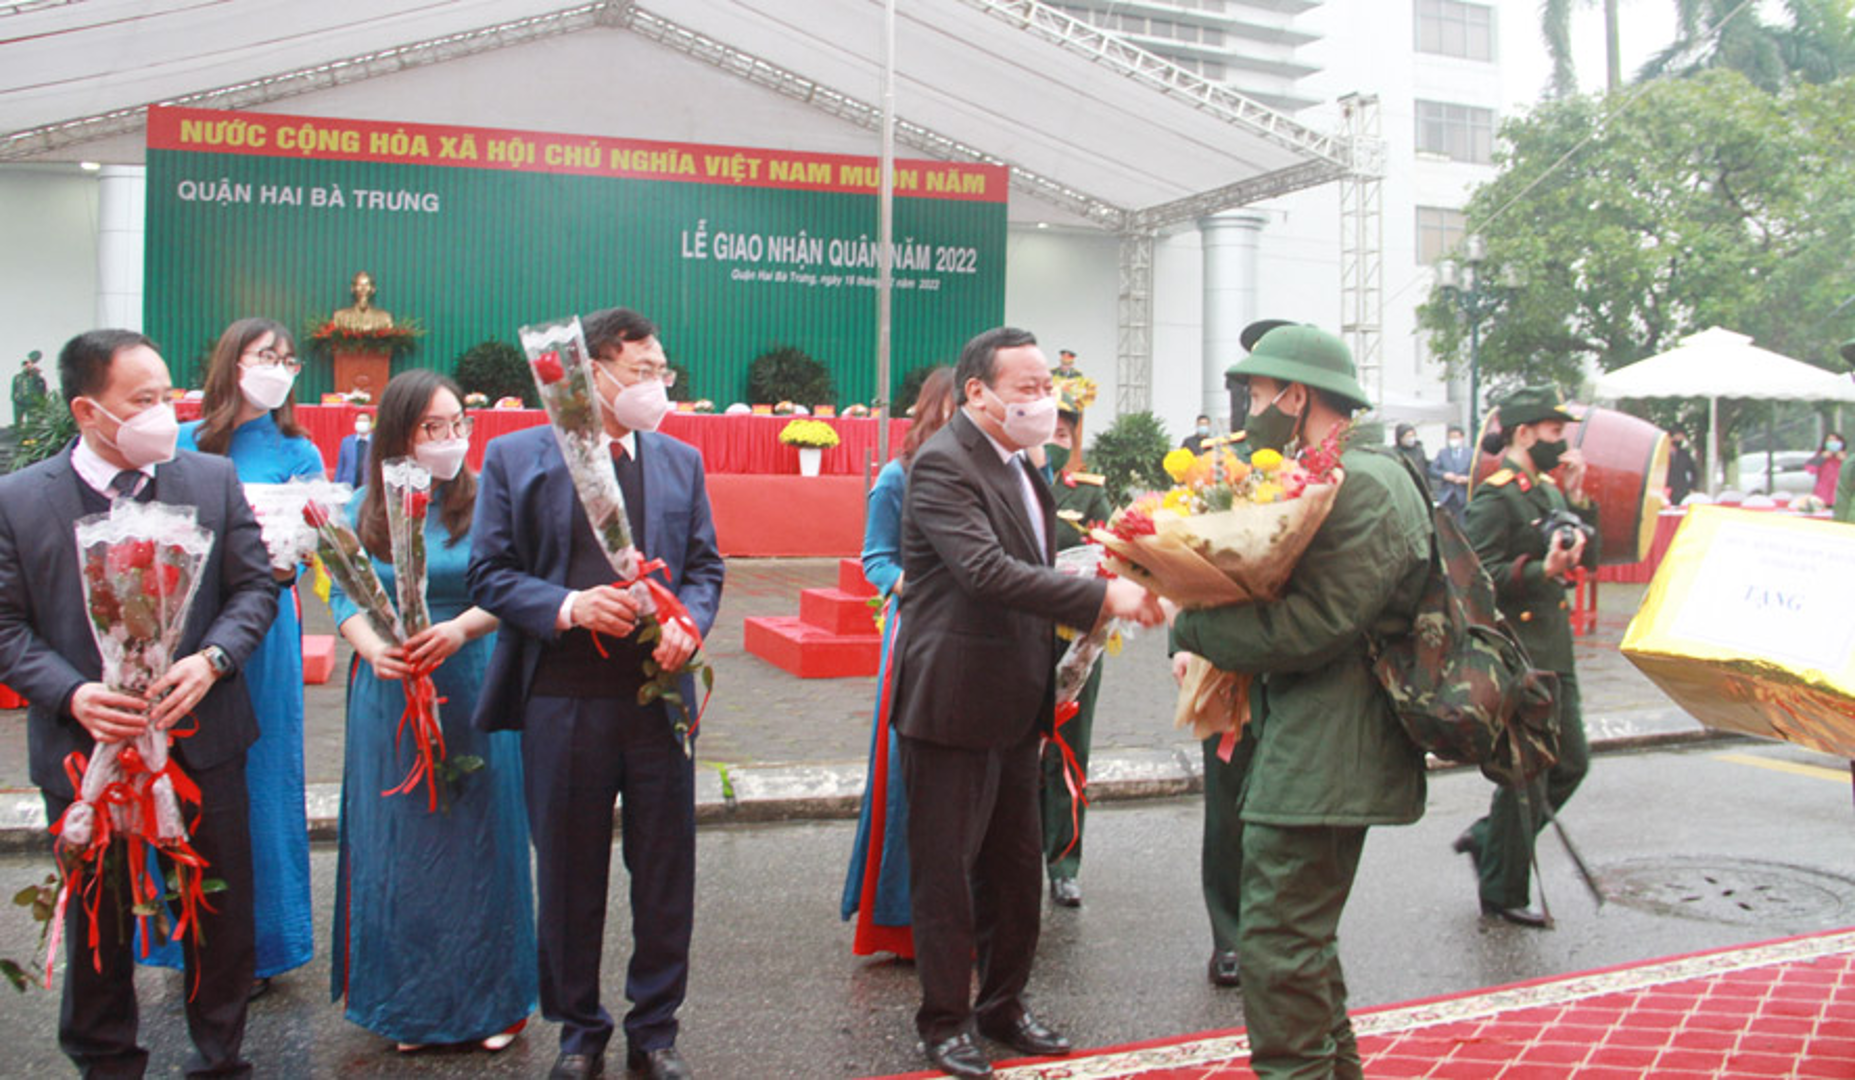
(663, 1063)
(1027, 1036)
(259, 987)
(1466, 845)
(1223, 968)
(577, 1067)
(1532, 918)
(958, 1056)
(1065, 892)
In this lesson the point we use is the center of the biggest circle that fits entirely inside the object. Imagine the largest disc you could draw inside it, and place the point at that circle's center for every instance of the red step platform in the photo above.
(318, 658)
(834, 635)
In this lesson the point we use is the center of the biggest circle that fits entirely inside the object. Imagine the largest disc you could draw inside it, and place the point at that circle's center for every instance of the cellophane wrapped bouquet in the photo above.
(1085, 650)
(1227, 532)
(562, 369)
(141, 565)
(347, 562)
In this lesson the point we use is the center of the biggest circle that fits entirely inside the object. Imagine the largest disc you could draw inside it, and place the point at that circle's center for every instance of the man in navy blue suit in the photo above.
(536, 565)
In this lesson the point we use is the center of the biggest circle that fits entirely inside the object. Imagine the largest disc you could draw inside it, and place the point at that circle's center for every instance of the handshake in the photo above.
(1126, 600)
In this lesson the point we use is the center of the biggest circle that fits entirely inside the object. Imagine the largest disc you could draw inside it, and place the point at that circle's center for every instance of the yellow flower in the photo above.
(1267, 493)
(1179, 462)
(1178, 500)
(1266, 460)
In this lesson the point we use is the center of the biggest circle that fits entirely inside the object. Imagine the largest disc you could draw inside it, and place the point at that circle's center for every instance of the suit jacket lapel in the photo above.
(61, 496)
(655, 479)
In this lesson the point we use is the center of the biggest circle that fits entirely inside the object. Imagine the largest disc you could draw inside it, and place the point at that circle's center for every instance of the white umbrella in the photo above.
(1718, 363)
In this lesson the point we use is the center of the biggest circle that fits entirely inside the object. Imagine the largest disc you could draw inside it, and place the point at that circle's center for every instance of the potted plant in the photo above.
(811, 437)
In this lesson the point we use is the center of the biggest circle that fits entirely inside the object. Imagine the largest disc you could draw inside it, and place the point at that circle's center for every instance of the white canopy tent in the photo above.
(1718, 363)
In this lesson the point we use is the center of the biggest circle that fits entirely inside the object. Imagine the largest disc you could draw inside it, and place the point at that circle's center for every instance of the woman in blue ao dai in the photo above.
(434, 935)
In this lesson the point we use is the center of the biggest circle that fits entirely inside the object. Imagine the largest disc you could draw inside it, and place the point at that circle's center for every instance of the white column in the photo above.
(1230, 243)
(121, 211)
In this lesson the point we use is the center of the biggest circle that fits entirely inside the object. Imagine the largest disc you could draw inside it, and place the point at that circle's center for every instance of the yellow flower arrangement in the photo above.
(809, 433)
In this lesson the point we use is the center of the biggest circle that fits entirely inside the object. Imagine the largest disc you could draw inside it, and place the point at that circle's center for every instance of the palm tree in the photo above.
(1555, 18)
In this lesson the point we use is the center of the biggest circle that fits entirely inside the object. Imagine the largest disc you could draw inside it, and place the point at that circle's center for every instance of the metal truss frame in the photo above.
(1362, 244)
(1134, 319)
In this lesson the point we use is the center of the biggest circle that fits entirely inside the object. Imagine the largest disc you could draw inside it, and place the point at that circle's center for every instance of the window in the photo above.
(1439, 232)
(1452, 28)
(1458, 132)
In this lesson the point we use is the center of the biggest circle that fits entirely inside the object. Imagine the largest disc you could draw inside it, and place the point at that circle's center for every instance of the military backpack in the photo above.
(1457, 676)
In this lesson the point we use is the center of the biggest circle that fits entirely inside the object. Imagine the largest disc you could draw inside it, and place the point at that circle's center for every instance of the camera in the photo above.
(1562, 529)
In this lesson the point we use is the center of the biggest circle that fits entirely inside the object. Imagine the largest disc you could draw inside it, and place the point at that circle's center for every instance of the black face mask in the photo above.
(1546, 455)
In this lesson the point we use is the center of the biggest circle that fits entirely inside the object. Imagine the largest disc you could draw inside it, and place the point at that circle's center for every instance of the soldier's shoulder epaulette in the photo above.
(1096, 479)
(1500, 477)
(1546, 478)
(1069, 515)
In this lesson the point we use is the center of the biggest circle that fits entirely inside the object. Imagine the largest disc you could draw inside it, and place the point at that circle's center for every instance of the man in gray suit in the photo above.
(116, 387)
(975, 695)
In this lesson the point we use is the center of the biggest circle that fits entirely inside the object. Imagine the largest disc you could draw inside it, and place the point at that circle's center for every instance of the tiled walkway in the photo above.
(1780, 1009)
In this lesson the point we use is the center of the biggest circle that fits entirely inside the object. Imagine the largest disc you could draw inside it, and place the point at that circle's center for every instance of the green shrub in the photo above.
(46, 429)
(496, 369)
(788, 373)
(1130, 454)
(911, 389)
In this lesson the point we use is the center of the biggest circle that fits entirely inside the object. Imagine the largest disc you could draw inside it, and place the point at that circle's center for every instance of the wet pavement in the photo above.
(1701, 846)
(775, 746)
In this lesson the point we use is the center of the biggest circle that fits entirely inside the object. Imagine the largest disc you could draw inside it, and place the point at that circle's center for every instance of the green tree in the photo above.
(1129, 454)
(1704, 202)
(789, 373)
(496, 369)
(1815, 43)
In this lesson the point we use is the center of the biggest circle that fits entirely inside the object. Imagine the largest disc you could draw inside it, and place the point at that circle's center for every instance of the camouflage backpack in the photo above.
(1459, 680)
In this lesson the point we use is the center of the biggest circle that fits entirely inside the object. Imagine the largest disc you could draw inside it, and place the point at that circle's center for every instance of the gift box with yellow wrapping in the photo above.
(1750, 626)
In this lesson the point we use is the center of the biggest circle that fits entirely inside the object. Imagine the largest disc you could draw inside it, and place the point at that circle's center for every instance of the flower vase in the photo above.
(811, 458)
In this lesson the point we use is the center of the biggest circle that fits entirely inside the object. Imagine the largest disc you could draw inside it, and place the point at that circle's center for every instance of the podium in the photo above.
(366, 371)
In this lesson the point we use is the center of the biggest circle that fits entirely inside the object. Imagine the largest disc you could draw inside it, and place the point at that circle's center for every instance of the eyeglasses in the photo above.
(273, 358)
(459, 428)
(646, 372)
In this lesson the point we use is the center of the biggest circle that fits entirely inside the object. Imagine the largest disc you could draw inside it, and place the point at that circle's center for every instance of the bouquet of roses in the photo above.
(562, 369)
(406, 490)
(1227, 532)
(141, 566)
(347, 562)
(290, 540)
(1072, 674)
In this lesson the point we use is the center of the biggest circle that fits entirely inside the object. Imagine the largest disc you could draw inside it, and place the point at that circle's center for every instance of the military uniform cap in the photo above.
(1305, 354)
(1530, 405)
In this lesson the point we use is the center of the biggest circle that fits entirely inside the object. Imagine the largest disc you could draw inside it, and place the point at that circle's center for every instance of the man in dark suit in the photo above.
(1449, 475)
(116, 387)
(975, 693)
(535, 564)
(351, 461)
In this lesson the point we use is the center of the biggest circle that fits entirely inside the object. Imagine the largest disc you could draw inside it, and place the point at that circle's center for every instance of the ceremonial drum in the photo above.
(1626, 474)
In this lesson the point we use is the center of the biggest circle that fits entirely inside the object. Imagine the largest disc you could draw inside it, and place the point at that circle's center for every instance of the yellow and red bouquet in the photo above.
(1227, 532)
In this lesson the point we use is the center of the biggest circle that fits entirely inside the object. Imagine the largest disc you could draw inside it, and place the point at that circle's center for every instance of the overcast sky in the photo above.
(1644, 27)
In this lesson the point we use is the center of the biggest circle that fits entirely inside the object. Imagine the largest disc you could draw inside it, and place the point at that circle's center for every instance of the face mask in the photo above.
(1455, 442)
(1271, 429)
(444, 457)
(1028, 423)
(1057, 456)
(640, 406)
(1203, 430)
(1833, 445)
(362, 428)
(1546, 455)
(147, 438)
(266, 387)
(1408, 440)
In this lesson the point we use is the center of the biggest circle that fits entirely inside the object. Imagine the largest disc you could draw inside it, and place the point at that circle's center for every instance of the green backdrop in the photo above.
(475, 253)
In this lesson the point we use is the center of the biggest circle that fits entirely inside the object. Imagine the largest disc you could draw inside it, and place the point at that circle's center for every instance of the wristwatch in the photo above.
(221, 663)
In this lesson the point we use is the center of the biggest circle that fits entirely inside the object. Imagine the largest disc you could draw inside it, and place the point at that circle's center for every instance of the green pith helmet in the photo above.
(1530, 405)
(1305, 354)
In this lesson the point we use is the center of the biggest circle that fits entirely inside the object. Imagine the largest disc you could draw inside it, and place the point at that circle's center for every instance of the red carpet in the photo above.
(1781, 1008)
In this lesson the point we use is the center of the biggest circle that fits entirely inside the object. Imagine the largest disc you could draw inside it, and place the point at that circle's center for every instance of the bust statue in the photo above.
(362, 315)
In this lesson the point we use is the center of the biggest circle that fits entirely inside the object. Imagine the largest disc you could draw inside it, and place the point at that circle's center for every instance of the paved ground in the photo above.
(1700, 847)
(779, 746)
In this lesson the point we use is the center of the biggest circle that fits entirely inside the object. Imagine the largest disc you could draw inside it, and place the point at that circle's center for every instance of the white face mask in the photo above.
(640, 406)
(1028, 423)
(266, 387)
(444, 457)
(147, 438)
(363, 428)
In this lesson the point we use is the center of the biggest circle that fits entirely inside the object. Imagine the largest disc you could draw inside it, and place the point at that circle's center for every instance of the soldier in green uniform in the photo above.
(1220, 856)
(1081, 502)
(1530, 570)
(28, 387)
(1330, 759)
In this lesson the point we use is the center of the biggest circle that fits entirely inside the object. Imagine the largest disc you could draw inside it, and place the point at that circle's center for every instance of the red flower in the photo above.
(420, 501)
(1133, 523)
(162, 581)
(131, 555)
(548, 369)
(315, 514)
